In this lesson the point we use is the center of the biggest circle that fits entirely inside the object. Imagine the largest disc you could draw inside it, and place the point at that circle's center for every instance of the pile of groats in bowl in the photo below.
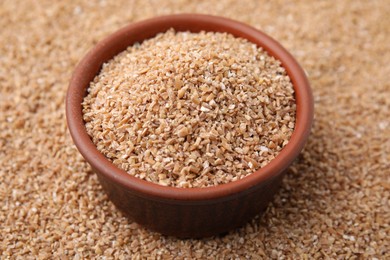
(190, 121)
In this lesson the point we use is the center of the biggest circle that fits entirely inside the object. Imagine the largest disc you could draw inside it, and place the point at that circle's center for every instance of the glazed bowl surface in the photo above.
(187, 212)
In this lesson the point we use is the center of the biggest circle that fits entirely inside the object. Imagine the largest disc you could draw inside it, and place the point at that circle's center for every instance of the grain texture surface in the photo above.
(334, 203)
(191, 109)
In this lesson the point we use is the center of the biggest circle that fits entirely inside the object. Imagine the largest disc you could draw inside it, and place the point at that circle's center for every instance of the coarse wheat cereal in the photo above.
(191, 109)
(334, 203)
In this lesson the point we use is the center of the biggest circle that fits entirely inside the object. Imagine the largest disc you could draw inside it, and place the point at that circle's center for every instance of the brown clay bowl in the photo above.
(187, 212)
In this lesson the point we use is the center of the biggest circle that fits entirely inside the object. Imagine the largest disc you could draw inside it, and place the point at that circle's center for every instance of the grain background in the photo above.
(334, 202)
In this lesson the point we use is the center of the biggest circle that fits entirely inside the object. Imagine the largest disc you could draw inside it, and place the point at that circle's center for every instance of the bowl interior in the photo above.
(91, 64)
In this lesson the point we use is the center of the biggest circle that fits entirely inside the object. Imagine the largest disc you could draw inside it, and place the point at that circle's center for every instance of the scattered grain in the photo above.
(339, 185)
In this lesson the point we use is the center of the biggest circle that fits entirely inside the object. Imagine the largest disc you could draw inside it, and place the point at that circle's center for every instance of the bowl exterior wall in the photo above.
(191, 218)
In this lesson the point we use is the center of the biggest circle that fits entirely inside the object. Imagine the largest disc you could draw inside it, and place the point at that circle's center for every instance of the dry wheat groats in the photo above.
(191, 109)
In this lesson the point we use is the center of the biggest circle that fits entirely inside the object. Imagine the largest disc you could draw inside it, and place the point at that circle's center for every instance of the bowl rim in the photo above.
(193, 22)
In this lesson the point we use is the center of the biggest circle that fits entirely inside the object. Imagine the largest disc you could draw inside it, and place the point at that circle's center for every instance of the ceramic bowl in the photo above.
(187, 212)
